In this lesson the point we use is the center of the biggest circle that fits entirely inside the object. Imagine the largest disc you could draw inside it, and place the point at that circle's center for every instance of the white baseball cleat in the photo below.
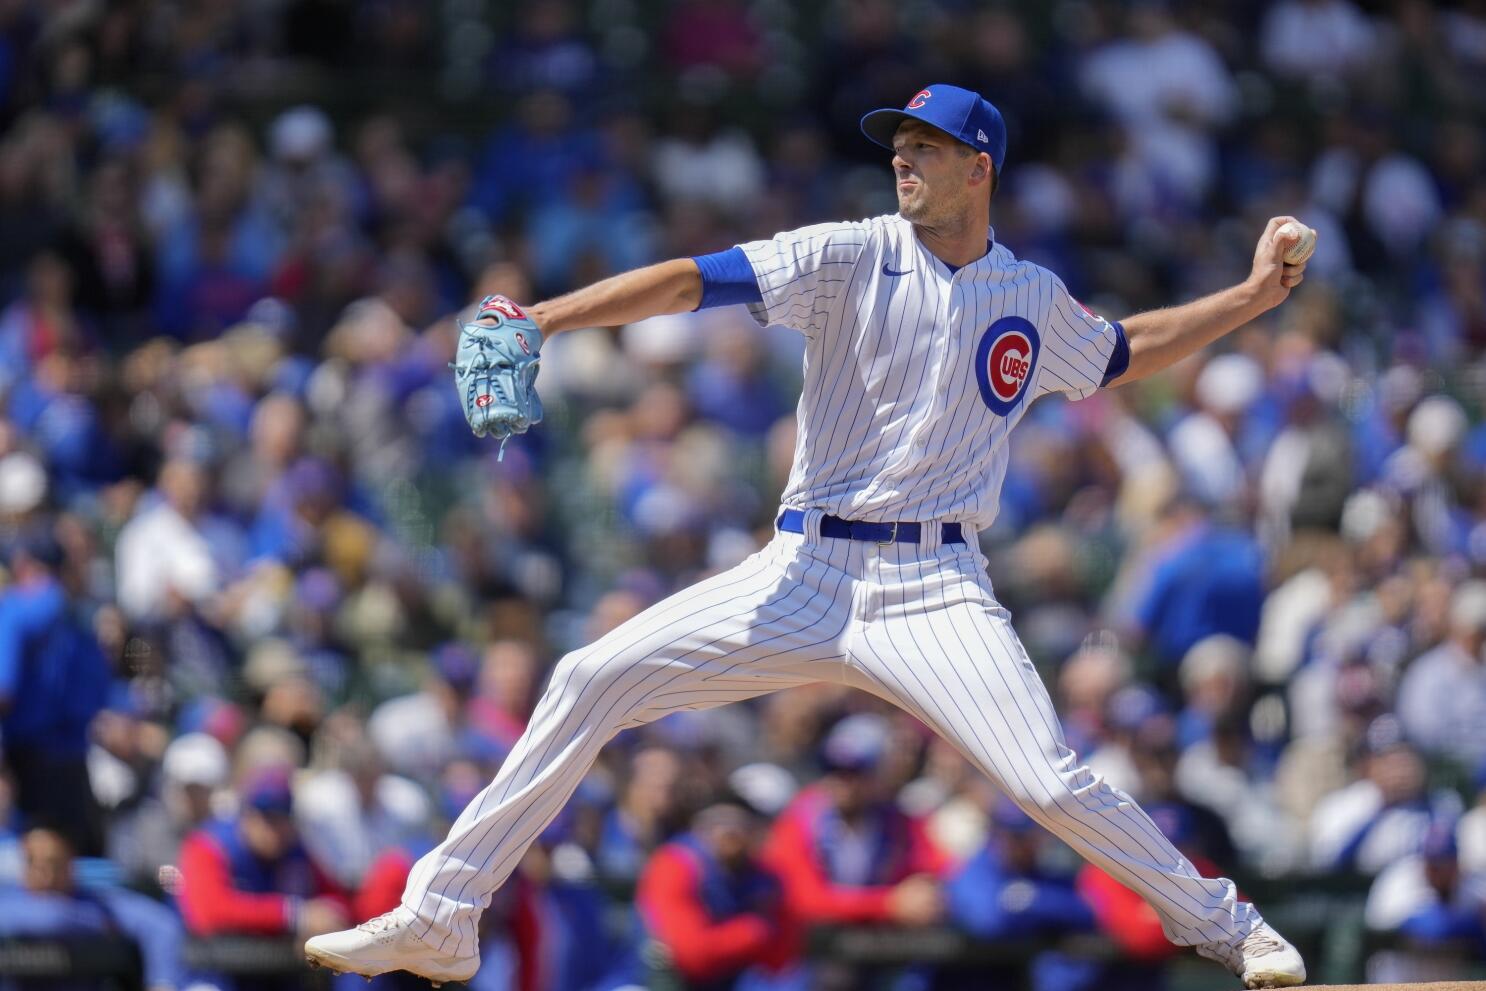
(1262, 959)
(387, 943)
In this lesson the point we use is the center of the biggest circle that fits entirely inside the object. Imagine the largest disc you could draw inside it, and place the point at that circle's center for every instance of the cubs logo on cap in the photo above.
(1005, 361)
(962, 114)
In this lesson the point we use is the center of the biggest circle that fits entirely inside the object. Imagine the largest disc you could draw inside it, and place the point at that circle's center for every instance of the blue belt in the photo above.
(793, 520)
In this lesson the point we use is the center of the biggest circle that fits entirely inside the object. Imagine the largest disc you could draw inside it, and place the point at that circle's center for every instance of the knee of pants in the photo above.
(598, 681)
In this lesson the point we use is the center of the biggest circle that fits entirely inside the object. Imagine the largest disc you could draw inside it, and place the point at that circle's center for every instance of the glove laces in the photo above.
(482, 363)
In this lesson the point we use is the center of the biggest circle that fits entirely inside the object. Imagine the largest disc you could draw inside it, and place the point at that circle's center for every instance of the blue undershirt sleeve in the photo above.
(727, 278)
(1119, 358)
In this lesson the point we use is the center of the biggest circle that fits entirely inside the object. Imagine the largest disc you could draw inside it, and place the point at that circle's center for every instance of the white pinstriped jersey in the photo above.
(915, 376)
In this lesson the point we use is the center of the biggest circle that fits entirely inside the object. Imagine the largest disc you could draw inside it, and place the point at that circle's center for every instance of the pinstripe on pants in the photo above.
(917, 625)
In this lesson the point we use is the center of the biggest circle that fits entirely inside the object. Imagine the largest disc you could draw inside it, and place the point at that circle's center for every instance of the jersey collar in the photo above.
(952, 269)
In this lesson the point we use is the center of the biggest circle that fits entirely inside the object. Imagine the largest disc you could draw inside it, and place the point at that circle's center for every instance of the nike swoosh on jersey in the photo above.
(888, 271)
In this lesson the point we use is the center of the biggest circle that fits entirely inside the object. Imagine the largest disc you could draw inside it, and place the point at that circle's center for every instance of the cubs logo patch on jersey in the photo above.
(1004, 362)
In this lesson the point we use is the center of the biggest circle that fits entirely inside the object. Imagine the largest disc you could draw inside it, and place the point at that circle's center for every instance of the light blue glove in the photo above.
(495, 370)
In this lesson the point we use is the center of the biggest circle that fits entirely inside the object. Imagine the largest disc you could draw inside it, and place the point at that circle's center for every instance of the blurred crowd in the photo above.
(270, 615)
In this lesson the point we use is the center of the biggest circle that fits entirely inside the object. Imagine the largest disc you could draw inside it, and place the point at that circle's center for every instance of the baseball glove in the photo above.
(495, 370)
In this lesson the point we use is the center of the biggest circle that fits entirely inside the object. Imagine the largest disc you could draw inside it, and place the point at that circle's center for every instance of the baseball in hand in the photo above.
(1304, 245)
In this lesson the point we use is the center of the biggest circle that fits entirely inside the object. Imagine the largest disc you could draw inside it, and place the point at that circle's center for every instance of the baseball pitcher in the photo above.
(925, 342)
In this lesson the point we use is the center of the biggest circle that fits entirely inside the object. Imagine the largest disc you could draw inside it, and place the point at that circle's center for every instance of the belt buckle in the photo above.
(892, 537)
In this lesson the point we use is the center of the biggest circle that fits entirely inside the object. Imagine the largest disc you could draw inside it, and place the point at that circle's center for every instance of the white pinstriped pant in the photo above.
(916, 624)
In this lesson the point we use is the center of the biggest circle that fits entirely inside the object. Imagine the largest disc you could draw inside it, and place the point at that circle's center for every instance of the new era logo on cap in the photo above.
(981, 137)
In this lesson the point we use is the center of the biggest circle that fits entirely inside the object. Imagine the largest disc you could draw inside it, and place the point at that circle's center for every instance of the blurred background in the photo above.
(270, 615)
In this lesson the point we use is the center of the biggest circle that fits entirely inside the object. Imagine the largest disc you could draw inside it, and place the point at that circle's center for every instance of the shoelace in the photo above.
(382, 923)
(1232, 955)
(1260, 942)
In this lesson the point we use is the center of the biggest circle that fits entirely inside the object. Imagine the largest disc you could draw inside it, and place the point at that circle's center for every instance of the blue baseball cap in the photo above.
(269, 791)
(1439, 841)
(964, 115)
(857, 743)
(458, 665)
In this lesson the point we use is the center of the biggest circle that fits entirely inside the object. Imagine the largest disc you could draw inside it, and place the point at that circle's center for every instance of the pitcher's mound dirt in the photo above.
(1445, 986)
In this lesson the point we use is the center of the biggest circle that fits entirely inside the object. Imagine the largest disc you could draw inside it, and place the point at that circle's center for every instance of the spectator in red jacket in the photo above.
(846, 852)
(718, 911)
(250, 874)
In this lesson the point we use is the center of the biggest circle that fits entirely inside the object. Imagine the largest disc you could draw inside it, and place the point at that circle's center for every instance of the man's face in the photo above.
(1020, 849)
(269, 835)
(184, 485)
(853, 790)
(1157, 768)
(197, 800)
(1443, 875)
(933, 174)
(653, 782)
(1474, 642)
(730, 839)
(1399, 774)
(48, 862)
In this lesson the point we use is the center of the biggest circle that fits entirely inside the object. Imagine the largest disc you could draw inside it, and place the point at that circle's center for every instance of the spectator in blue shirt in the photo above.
(732, 386)
(529, 162)
(1435, 905)
(51, 904)
(1442, 695)
(1205, 579)
(644, 816)
(1006, 893)
(53, 681)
